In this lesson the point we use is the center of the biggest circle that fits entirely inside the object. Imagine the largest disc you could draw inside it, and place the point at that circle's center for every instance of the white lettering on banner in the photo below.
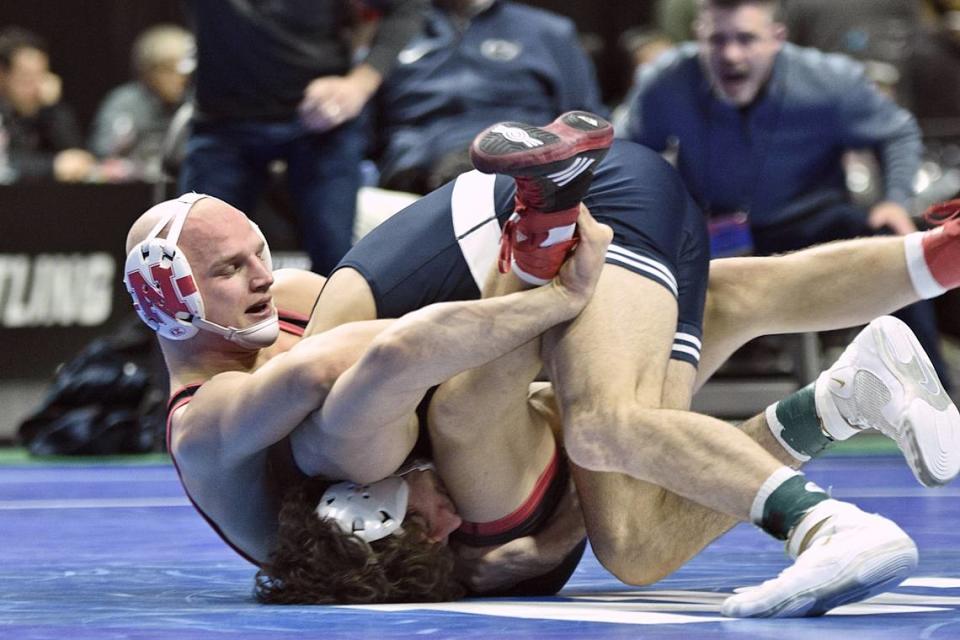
(56, 289)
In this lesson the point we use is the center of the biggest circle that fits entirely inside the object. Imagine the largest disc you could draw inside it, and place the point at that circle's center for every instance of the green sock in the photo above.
(795, 424)
(782, 502)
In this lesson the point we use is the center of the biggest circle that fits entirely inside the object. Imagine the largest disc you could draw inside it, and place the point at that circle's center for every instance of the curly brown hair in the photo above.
(316, 562)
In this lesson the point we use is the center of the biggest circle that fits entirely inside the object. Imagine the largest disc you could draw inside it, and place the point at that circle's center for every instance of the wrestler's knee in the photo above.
(729, 298)
(631, 558)
(744, 291)
(588, 435)
(600, 436)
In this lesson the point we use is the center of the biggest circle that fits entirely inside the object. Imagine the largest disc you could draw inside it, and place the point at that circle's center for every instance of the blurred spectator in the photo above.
(761, 127)
(674, 18)
(745, 106)
(40, 133)
(276, 81)
(133, 119)
(477, 62)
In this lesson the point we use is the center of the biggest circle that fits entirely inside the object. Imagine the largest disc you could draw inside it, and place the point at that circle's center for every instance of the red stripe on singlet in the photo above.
(293, 323)
(524, 511)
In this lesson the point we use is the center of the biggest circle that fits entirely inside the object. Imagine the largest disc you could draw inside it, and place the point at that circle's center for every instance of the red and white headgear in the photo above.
(165, 295)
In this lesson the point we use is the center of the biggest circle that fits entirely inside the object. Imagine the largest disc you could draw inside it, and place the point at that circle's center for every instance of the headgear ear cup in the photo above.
(165, 296)
(369, 511)
(159, 278)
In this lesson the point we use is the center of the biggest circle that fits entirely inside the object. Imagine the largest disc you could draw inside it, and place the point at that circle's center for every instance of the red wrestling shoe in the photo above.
(553, 167)
(941, 249)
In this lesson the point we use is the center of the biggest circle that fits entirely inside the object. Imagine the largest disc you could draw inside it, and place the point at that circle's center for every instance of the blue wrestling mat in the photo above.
(115, 551)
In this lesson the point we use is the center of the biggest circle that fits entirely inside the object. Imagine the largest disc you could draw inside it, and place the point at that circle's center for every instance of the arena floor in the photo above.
(113, 550)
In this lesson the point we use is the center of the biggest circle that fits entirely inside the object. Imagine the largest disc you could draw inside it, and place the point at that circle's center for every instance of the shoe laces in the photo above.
(942, 212)
(506, 244)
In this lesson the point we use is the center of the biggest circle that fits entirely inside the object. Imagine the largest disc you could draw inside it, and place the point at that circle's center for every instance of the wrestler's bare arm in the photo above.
(236, 415)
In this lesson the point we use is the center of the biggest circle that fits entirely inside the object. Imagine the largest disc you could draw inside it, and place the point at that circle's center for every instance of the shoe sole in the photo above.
(523, 150)
(867, 575)
(929, 433)
(864, 578)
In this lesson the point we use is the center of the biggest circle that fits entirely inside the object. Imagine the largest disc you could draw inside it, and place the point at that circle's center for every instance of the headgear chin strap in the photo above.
(256, 336)
(368, 511)
(165, 296)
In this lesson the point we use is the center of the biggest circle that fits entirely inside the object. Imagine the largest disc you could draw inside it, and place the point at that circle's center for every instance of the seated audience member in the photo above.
(133, 118)
(762, 127)
(477, 62)
(43, 138)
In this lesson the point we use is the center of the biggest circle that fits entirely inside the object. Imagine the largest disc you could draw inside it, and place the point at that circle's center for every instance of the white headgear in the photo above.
(369, 511)
(165, 296)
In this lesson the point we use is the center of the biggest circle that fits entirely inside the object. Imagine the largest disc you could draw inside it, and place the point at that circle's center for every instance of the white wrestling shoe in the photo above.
(852, 556)
(885, 381)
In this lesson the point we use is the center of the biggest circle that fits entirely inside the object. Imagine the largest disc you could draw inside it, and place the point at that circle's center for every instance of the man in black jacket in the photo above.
(276, 81)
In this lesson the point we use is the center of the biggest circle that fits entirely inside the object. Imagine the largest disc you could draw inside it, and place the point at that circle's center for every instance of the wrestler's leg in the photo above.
(494, 444)
(647, 531)
(489, 445)
(376, 397)
(883, 381)
(839, 284)
(830, 286)
(609, 367)
(835, 285)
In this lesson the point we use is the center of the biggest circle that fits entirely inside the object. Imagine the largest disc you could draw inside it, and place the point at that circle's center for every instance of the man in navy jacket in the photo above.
(476, 63)
(762, 127)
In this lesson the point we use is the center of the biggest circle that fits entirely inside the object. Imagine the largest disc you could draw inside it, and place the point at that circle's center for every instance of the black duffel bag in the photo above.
(108, 399)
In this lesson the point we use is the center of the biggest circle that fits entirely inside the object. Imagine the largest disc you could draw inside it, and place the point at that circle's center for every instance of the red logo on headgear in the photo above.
(168, 299)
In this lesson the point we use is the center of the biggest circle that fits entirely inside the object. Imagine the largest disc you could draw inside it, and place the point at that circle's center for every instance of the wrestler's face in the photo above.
(226, 256)
(429, 500)
(738, 48)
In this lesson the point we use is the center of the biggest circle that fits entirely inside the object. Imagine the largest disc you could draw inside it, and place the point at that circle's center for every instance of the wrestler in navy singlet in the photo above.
(441, 247)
